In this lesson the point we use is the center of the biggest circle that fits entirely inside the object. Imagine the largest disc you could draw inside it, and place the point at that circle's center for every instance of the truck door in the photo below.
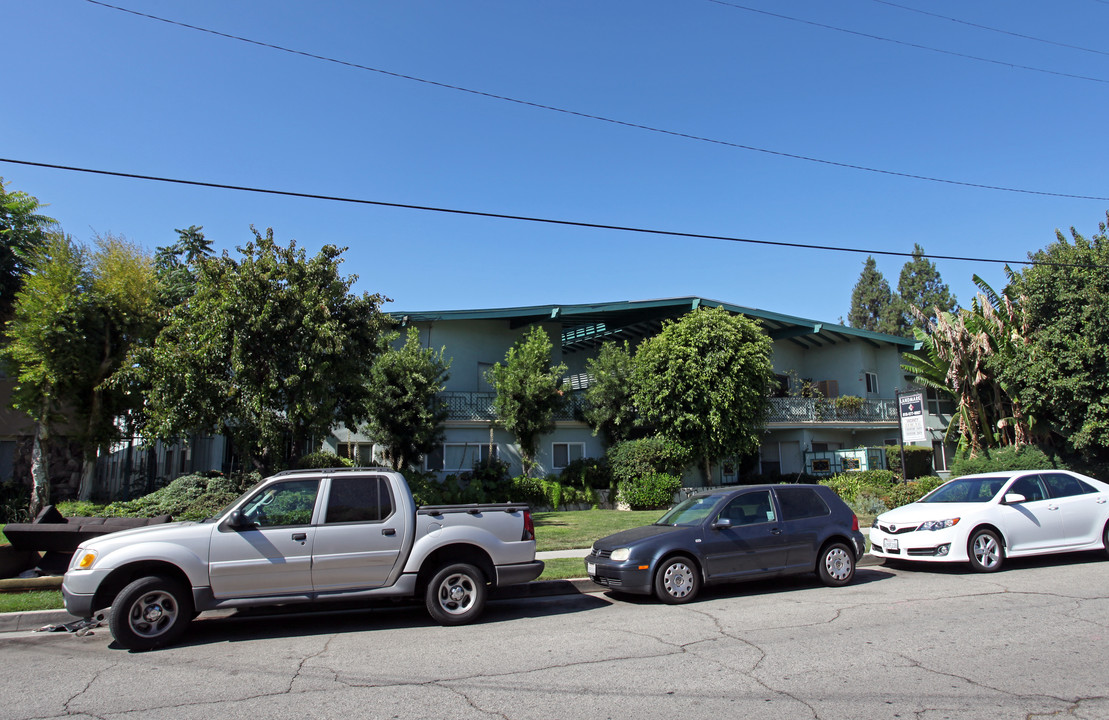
(360, 538)
(270, 553)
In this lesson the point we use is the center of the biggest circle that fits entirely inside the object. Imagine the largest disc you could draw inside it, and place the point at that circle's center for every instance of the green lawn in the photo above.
(32, 600)
(578, 529)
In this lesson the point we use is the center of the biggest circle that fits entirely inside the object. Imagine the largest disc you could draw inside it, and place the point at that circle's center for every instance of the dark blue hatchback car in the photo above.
(747, 533)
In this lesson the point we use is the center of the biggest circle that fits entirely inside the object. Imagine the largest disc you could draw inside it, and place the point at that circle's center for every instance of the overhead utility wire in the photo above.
(905, 43)
(525, 218)
(992, 29)
(601, 118)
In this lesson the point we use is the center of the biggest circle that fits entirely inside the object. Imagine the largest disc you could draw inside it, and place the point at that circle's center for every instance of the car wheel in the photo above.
(151, 612)
(836, 565)
(1105, 539)
(985, 551)
(677, 580)
(456, 594)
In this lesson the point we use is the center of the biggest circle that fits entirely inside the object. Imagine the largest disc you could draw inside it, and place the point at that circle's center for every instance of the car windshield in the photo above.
(691, 511)
(966, 490)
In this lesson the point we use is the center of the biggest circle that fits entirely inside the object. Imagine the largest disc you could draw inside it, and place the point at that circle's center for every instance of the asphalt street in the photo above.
(1031, 641)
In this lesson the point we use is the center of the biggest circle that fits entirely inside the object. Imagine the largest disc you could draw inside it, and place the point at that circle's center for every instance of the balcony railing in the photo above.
(825, 410)
(479, 405)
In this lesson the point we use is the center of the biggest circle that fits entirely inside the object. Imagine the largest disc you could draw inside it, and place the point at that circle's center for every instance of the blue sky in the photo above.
(94, 87)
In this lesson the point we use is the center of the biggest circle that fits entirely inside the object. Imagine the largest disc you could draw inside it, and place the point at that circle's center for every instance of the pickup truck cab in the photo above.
(298, 537)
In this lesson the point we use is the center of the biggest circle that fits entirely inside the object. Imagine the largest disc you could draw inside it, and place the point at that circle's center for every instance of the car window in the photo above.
(801, 502)
(1031, 487)
(286, 503)
(1062, 485)
(749, 509)
(981, 489)
(358, 499)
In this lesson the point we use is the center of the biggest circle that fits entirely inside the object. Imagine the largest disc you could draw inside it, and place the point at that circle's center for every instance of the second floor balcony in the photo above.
(478, 406)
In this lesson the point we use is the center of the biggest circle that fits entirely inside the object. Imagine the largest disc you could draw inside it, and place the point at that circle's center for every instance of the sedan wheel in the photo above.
(677, 581)
(985, 551)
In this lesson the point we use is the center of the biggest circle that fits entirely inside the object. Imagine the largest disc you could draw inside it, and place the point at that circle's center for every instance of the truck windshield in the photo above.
(691, 511)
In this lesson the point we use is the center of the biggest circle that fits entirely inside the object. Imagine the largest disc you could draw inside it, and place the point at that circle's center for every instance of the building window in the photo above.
(565, 453)
(939, 403)
(871, 383)
(361, 454)
(940, 455)
(458, 457)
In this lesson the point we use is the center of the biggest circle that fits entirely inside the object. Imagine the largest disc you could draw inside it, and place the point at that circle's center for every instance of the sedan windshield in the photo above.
(966, 490)
(691, 511)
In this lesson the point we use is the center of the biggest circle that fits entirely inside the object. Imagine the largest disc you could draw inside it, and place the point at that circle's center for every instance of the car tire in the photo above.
(677, 580)
(1105, 539)
(985, 551)
(456, 594)
(151, 612)
(836, 565)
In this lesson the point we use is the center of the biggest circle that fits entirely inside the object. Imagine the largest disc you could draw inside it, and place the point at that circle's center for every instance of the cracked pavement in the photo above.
(1029, 642)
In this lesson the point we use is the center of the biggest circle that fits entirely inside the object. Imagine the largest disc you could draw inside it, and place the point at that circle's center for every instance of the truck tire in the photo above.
(151, 612)
(456, 594)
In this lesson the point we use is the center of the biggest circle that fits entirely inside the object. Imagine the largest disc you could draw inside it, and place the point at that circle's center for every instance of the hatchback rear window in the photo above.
(800, 502)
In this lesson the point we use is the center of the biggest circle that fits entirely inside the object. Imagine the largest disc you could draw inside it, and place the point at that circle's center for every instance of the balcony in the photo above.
(479, 406)
(801, 410)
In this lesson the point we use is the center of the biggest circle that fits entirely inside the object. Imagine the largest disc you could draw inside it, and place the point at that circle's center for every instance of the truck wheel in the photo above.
(150, 612)
(456, 594)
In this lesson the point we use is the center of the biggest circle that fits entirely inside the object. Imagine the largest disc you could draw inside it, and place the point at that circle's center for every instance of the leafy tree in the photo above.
(176, 265)
(704, 381)
(1061, 369)
(529, 392)
(405, 414)
(271, 349)
(610, 410)
(22, 231)
(872, 305)
(78, 316)
(44, 343)
(920, 287)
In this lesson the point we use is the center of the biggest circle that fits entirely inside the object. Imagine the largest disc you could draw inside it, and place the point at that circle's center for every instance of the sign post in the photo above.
(910, 427)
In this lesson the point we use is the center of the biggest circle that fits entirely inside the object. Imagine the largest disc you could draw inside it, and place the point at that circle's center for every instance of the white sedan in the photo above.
(983, 519)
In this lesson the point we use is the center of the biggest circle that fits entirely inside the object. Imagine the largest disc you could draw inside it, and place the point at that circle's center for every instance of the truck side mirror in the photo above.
(235, 519)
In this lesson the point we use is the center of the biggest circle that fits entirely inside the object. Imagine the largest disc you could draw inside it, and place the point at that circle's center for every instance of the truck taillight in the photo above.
(529, 527)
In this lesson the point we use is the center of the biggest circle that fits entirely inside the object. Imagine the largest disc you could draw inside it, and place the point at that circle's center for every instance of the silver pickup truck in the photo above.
(303, 536)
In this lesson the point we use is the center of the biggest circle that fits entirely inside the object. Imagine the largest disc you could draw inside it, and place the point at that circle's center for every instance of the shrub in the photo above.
(867, 503)
(1024, 457)
(633, 459)
(587, 473)
(905, 493)
(324, 459)
(917, 458)
(189, 497)
(527, 489)
(848, 485)
(650, 492)
(15, 502)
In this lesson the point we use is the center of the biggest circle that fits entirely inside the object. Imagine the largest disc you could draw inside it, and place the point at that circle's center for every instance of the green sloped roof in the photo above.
(586, 325)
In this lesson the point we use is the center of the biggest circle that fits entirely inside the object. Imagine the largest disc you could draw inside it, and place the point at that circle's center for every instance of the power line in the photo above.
(601, 118)
(525, 218)
(965, 56)
(992, 29)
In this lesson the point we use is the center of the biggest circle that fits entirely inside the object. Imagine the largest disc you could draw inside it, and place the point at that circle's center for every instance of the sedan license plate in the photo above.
(591, 568)
(889, 543)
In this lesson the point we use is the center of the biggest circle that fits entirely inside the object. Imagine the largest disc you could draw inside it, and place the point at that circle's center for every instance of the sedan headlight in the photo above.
(621, 554)
(938, 524)
(82, 559)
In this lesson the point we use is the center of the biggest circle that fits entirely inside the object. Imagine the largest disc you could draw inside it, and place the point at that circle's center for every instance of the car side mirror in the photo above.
(721, 524)
(1014, 498)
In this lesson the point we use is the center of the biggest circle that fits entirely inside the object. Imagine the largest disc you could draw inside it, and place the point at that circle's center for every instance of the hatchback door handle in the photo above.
(300, 537)
(775, 531)
(388, 531)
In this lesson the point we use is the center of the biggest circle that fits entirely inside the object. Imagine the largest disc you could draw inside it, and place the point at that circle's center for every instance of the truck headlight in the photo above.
(621, 554)
(82, 559)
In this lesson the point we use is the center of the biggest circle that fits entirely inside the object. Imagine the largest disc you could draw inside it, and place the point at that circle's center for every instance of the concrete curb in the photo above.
(33, 620)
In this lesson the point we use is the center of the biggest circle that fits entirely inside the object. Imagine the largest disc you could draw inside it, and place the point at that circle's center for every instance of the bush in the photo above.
(527, 489)
(850, 484)
(650, 492)
(917, 458)
(189, 497)
(905, 493)
(1024, 457)
(634, 459)
(323, 459)
(587, 473)
(867, 503)
(15, 502)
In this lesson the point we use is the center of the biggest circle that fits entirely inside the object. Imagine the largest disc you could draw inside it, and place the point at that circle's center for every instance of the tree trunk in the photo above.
(40, 471)
(708, 472)
(88, 478)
